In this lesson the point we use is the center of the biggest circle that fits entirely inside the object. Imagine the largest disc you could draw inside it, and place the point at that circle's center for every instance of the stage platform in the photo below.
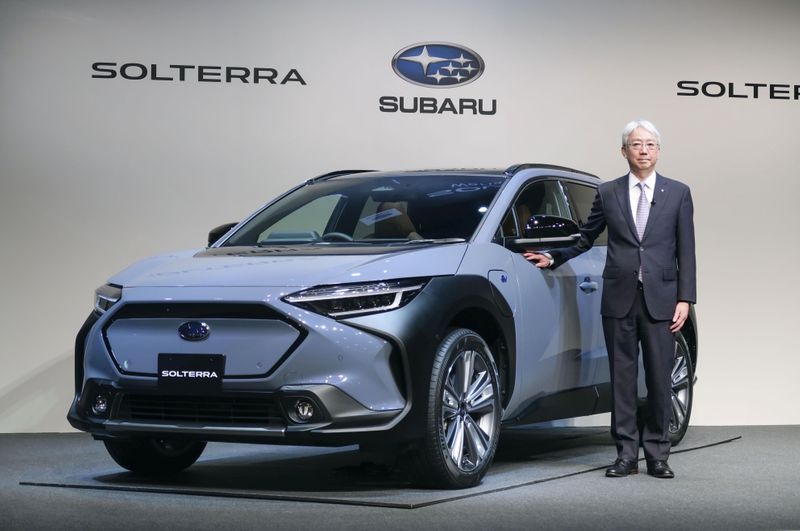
(542, 477)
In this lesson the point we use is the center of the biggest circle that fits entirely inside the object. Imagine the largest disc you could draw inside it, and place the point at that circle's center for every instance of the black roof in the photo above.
(493, 172)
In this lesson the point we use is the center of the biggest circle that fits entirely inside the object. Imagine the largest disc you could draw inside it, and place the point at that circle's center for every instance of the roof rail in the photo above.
(332, 174)
(511, 170)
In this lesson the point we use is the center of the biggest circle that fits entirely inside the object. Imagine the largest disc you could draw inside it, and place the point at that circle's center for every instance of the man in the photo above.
(648, 285)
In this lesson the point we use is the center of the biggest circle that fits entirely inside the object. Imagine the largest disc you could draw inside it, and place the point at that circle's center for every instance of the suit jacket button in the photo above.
(641, 248)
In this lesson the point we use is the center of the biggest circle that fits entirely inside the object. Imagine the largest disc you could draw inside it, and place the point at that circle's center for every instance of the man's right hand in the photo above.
(539, 260)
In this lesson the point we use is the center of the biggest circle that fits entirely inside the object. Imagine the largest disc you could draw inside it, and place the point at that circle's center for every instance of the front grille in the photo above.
(219, 410)
(197, 310)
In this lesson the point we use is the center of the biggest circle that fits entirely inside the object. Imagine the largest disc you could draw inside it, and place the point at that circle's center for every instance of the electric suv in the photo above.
(392, 310)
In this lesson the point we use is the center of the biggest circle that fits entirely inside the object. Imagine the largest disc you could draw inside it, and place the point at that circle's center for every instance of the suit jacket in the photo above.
(665, 252)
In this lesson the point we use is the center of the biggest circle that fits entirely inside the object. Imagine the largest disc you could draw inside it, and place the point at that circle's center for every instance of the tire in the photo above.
(682, 390)
(154, 456)
(463, 413)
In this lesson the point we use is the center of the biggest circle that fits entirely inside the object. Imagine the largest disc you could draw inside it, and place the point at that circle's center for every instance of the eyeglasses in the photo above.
(637, 146)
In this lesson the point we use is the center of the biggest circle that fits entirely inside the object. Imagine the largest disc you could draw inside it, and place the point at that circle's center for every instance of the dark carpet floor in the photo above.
(540, 479)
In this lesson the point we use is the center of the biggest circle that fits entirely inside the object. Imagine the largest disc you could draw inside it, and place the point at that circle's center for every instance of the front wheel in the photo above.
(154, 456)
(463, 413)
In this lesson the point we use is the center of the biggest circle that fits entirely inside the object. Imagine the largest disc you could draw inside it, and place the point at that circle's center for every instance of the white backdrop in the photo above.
(96, 173)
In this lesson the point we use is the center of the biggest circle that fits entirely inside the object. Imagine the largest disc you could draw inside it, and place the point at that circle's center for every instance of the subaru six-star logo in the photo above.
(194, 331)
(438, 64)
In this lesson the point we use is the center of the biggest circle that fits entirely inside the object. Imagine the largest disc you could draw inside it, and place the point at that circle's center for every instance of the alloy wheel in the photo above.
(469, 410)
(681, 387)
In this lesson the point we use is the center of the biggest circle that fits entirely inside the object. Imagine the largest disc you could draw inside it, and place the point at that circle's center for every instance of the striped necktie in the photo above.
(642, 212)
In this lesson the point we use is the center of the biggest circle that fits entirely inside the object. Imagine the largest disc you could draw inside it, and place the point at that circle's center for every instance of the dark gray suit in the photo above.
(634, 313)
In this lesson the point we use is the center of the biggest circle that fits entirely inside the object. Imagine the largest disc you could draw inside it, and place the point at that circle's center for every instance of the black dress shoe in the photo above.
(622, 468)
(660, 469)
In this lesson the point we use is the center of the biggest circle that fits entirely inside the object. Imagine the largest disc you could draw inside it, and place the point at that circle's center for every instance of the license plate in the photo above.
(190, 374)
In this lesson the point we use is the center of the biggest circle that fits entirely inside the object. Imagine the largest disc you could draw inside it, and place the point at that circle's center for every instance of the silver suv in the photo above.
(392, 310)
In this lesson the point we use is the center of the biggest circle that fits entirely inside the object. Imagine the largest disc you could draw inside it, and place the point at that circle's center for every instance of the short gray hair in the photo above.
(644, 124)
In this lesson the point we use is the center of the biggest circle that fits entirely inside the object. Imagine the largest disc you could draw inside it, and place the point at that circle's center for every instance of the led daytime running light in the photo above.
(362, 298)
(105, 297)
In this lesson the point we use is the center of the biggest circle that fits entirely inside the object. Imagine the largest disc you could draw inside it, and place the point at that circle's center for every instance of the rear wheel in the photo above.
(464, 413)
(154, 456)
(682, 390)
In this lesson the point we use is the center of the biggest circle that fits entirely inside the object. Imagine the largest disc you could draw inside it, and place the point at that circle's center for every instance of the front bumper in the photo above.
(242, 417)
(354, 380)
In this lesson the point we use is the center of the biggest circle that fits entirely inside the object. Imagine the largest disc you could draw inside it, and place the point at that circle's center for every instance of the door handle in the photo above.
(588, 286)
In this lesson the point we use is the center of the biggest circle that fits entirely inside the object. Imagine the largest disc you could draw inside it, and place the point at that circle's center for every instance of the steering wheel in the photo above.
(336, 237)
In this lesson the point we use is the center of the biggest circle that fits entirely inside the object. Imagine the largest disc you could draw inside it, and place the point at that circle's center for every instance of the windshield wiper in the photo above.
(276, 243)
(434, 241)
(353, 243)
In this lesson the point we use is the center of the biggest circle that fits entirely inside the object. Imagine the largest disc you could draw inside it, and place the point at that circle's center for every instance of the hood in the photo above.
(196, 268)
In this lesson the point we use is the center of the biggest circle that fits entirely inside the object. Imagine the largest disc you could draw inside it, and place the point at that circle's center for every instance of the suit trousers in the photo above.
(623, 337)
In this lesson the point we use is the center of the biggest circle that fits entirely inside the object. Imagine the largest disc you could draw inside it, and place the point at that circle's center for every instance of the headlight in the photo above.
(106, 296)
(357, 299)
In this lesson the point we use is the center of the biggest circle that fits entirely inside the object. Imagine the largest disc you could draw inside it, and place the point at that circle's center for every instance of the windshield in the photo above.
(368, 208)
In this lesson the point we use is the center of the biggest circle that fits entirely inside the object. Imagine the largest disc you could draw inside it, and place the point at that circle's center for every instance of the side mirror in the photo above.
(547, 232)
(218, 232)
